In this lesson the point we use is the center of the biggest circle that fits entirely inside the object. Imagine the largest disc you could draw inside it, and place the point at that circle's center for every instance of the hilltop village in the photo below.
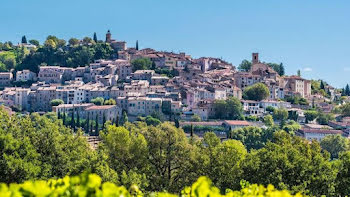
(196, 94)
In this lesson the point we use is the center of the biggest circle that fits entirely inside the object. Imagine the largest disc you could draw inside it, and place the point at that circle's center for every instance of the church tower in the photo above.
(108, 37)
(255, 58)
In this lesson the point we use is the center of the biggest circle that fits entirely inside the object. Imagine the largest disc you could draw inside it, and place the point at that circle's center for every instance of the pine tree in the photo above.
(95, 37)
(24, 40)
(137, 45)
(347, 90)
(281, 70)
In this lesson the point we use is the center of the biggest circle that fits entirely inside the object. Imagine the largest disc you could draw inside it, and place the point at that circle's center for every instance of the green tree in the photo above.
(169, 157)
(252, 137)
(24, 40)
(39, 147)
(299, 73)
(228, 109)
(268, 120)
(110, 102)
(310, 115)
(103, 51)
(270, 109)
(72, 123)
(56, 102)
(196, 118)
(124, 118)
(141, 64)
(293, 164)
(87, 123)
(245, 66)
(34, 42)
(345, 109)
(335, 145)
(281, 70)
(322, 85)
(137, 45)
(95, 37)
(7, 61)
(88, 41)
(73, 42)
(96, 125)
(257, 92)
(78, 118)
(347, 90)
(152, 121)
(324, 118)
(281, 115)
(343, 178)
(50, 44)
(98, 101)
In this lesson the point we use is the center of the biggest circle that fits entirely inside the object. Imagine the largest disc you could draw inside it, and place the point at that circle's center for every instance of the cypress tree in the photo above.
(117, 121)
(103, 121)
(64, 116)
(322, 85)
(347, 90)
(96, 124)
(95, 37)
(299, 73)
(91, 127)
(72, 123)
(191, 130)
(281, 70)
(177, 124)
(87, 124)
(343, 92)
(137, 45)
(125, 118)
(78, 118)
(59, 115)
(24, 40)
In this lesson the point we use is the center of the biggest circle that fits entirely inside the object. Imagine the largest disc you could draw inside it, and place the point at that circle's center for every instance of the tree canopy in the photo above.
(257, 92)
(230, 108)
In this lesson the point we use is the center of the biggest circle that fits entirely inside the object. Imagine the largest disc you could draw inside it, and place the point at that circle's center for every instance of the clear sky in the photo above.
(312, 35)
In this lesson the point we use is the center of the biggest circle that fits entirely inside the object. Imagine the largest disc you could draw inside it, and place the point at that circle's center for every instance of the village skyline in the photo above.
(296, 33)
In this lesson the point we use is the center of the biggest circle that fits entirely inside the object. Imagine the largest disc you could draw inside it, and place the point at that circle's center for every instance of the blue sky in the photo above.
(313, 35)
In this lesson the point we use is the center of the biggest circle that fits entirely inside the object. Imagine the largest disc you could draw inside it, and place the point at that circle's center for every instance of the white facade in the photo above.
(25, 75)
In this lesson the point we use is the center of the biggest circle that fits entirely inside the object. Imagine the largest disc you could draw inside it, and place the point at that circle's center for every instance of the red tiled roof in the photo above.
(237, 122)
(96, 107)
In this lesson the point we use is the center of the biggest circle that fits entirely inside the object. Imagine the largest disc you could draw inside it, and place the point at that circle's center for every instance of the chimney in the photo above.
(255, 58)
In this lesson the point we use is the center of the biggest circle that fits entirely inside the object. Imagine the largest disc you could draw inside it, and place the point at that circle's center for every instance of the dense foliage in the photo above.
(256, 92)
(229, 109)
(162, 158)
(55, 51)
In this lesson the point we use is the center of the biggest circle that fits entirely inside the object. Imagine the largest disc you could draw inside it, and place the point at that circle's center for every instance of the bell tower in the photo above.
(255, 58)
(108, 37)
